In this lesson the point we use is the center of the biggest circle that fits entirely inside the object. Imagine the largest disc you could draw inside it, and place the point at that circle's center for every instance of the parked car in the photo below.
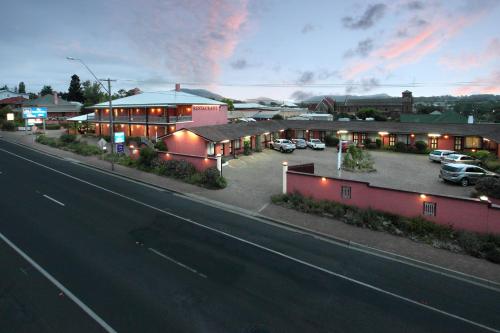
(463, 174)
(300, 143)
(461, 159)
(315, 144)
(345, 145)
(439, 154)
(283, 145)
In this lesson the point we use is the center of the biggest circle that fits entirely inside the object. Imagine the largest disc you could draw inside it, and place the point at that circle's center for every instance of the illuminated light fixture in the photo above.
(423, 196)
(282, 130)
(122, 125)
(96, 110)
(267, 133)
(247, 137)
(285, 163)
(483, 198)
(473, 150)
(434, 135)
(107, 110)
(206, 159)
(446, 136)
(343, 132)
(383, 133)
(224, 141)
(412, 135)
(323, 179)
(131, 146)
(168, 155)
(484, 139)
(136, 110)
(107, 125)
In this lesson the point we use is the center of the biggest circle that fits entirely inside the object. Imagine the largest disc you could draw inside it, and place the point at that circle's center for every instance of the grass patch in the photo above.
(70, 143)
(484, 246)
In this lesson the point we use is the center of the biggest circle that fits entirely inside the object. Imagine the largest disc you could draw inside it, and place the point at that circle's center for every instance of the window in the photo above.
(472, 142)
(300, 134)
(392, 140)
(363, 137)
(458, 143)
(355, 138)
(434, 143)
(430, 208)
(210, 148)
(345, 192)
(237, 144)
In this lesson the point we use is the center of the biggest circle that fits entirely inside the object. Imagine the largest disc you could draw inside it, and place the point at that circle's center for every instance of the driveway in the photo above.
(259, 175)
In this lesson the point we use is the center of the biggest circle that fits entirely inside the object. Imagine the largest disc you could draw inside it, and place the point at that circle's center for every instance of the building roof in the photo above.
(238, 106)
(375, 101)
(159, 98)
(219, 133)
(49, 101)
(13, 100)
(449, 117)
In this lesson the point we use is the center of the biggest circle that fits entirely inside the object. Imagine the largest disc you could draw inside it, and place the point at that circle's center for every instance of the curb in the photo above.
(247, 213)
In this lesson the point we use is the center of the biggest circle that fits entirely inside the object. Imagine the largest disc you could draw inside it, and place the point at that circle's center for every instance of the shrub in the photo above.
(378, 142)
(277, 117)
(331, 140)
(67, 138)
(482, 155)
(247, 150)
(161, 146)
(493, 165)
(211, 178)
(421, 147)
(400, 147)
(489, 186)
(146, 157)
(184, 170)
(52, 127)
(367, 142)
(357, 159)
(8, 126)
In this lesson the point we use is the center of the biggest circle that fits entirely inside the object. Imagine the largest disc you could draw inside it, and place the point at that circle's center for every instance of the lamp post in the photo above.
(108, 90)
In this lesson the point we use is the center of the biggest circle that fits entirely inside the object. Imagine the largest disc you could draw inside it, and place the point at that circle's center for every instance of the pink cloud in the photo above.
(483, 85)
(471, 60)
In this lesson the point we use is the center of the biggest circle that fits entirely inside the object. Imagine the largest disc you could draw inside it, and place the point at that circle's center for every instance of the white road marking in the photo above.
(305, 263)
(177, 262)
(59, 286)
(263, 207)
(54, 200)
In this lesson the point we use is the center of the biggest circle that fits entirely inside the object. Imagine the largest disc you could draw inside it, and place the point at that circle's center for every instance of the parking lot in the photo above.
(259, 175)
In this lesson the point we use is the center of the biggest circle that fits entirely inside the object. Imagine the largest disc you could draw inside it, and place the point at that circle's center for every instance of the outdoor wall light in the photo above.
(282, 130)
(267, 133)
(483, 198)
(434, 135)
(412, 135)
(423, 196)
(285, 163)
(342, 132)
(446, 136)
(473, 150)
(484, 139)
(131, 146)
(323, 179)
(224, 141)
(383, 133)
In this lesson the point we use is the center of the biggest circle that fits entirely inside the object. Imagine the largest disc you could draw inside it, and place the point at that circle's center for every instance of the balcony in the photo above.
(142, 119)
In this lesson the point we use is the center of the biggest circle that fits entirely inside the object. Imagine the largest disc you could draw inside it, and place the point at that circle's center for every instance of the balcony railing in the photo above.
(142, 119)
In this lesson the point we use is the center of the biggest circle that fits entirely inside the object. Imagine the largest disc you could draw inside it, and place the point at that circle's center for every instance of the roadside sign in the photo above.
(34, 112)
(119, 137)
(101, 143)
(120, 148)
(10, 116)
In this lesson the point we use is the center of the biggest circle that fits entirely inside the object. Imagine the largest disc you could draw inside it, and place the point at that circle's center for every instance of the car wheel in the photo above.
(281, 149)
(464, 182)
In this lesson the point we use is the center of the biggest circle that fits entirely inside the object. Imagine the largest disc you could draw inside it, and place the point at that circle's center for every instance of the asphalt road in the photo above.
(148, 260)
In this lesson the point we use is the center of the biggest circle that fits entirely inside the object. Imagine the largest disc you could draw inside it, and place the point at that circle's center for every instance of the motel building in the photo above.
(229, 139)
(155, 114)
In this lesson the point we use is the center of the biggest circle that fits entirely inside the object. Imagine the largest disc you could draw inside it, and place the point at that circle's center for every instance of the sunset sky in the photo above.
(246, 49)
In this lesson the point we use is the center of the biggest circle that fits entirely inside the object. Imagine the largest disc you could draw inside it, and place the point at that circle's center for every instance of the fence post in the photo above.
(219, 163)
(285, 169)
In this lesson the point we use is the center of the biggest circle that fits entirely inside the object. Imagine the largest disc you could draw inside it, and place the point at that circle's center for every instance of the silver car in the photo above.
(461, 159)
(439, 154)
(283, 145)
(300, 143)
(464, 174)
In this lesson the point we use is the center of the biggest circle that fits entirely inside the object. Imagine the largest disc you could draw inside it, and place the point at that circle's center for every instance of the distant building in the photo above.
(392, 107)
(262, 112)
(446, 117)
(57, 108)
(6, 93)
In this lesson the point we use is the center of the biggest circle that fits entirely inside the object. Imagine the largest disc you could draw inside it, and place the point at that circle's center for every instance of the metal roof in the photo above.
(238, 106)
(160, 98)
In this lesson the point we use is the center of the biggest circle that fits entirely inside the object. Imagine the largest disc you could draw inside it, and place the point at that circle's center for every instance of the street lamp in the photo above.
(108, 90)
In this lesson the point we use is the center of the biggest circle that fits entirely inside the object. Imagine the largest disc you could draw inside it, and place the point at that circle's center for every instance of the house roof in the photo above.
(449, 117)
(48, 101)
(160, 98)
(238, 106)
(13, 100)
(219, 133)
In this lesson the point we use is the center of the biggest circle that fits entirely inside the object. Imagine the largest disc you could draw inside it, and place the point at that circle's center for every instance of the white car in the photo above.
(315, 144)
(439, 154)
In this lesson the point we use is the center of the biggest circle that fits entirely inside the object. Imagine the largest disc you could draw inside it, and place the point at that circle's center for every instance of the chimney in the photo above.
(177, 87)
(470, 119)
(56, 98)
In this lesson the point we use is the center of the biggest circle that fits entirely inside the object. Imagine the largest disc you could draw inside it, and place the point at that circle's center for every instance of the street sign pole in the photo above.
(43, 125)
(111, 126)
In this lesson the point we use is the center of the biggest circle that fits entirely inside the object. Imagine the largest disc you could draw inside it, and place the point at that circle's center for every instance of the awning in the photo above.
(84, 117)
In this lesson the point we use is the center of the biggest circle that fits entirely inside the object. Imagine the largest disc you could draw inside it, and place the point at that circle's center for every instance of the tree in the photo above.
(75, 92)
(371, 113)
(4, 87)
(277, 116)
(229, 102)
(22, 88)
(92, 93)
(46, 90)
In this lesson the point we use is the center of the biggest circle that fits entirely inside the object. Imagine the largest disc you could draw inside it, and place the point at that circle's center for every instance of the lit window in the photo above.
(429, 208)
(345, 192)
(434, 142)
(392, 140)
(458, 143)
(237, 144)
(210, 148)
(472, 142)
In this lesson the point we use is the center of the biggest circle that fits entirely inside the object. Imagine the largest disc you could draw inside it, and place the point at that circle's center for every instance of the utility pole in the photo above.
(111, 125)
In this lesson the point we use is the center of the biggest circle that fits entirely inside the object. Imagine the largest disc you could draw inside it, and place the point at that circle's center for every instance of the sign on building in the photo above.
(10, 116)
(34, 112)
(119, 137)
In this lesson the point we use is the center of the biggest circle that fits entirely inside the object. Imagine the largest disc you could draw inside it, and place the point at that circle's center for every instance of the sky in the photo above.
(286, 50)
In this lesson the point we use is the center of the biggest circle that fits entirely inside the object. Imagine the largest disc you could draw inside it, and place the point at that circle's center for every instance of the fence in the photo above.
(461, 213)
(200, 162)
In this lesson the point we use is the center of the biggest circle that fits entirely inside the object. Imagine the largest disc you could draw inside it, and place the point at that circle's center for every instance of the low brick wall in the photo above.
(461, 213)
(200, 162)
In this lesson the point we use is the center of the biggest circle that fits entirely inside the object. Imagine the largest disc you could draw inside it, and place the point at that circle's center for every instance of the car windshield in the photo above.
(315, 141)
(436, 152)
(453, 156)
(452, 168)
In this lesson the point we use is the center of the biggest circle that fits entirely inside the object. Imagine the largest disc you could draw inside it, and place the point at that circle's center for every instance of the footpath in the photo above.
(378, 243)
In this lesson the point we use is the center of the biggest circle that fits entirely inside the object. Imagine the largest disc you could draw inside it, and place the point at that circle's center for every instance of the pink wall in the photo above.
(200, 162)
(206, 117)
(186, 142)
(448, 144)
(465, 214)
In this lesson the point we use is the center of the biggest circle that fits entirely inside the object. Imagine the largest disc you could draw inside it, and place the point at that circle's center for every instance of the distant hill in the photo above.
(265, 100)
(203, 93)
(342, 98)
